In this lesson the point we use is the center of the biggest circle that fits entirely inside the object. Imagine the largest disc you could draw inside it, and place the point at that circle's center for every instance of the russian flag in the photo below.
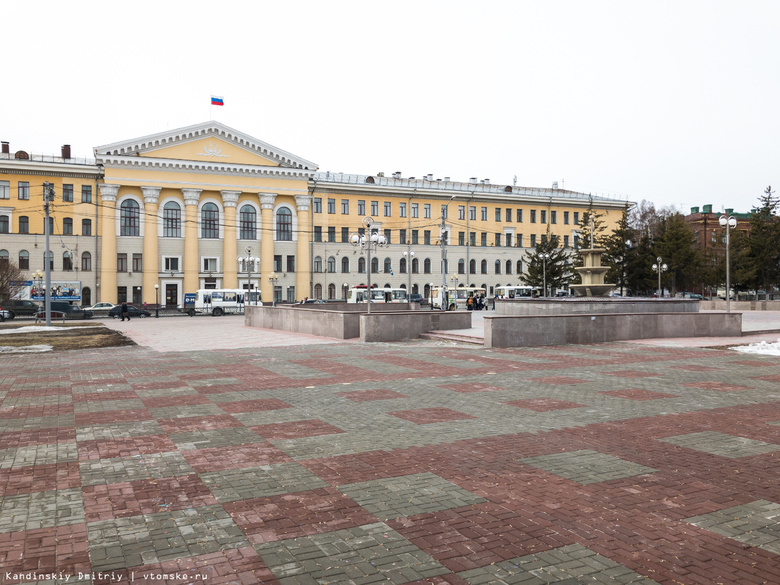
(217, 101)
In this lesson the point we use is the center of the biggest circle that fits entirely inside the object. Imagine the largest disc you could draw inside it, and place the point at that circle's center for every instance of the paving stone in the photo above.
(722, 444)
(118, 430)
(586, 466)
(756, 523)
(257, 482)
(215, 438)
(104, 471)
(41, 510)
(38, 455)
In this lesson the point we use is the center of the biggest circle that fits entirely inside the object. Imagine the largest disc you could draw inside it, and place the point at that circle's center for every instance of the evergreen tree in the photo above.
(676, 246)
(764, 242)
(619, 247)
(558, 267)
(640, 278)
(592, 233)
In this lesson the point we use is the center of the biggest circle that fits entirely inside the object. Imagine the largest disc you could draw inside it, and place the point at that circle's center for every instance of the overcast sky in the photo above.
(676, 102)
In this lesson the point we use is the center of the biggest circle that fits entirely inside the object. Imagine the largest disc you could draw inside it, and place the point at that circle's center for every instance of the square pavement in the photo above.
(408, 463)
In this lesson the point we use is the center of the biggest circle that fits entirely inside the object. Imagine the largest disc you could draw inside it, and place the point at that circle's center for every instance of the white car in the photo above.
(101, 306)
(5, 315)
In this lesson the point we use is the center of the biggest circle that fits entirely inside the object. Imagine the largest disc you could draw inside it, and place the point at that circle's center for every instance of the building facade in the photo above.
(173, 212)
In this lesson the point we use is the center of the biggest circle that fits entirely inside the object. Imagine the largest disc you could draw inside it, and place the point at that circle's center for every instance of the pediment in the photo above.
(210, 142)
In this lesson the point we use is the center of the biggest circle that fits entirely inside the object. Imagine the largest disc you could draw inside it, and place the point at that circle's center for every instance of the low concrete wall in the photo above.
(591, 305)
(410, 324)
(524, 331)
(740, 305)
(325, 323)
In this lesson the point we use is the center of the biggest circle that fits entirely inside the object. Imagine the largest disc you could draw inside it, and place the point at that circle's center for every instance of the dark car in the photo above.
(418, 298)
(64, 310)
(20, 308)
(132, 311)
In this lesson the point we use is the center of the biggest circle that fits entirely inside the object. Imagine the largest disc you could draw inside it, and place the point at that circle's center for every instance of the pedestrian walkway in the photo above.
(313, 461)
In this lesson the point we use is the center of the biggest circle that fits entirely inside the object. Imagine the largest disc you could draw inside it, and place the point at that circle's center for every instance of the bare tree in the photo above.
(646, 220)
(11, 279)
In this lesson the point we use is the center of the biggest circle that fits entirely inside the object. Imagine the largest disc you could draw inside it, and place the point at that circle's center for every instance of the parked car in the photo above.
(20, 308)
(64, 310)
(4, 314)
(418, 298)
(100, 307)
(132, 311)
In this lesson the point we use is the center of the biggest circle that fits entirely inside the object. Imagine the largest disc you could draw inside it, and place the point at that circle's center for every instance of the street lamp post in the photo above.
(729, 223)
(623, 267)
(454, 279)
(247, 261)
(156, 301)
(272, 278)
(38, 277)
(545, 257)
(660, 268)
(368, 241)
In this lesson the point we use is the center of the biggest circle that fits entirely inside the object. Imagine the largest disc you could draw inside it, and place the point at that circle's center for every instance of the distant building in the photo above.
(709, 236)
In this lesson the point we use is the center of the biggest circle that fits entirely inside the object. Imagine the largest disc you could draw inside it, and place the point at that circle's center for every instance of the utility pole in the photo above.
(48, 196)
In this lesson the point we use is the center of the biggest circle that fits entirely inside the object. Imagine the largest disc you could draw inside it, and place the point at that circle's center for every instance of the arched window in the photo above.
(86, 296)
(86, 262)
(427, 266)
(519, 267)
(284, 226)
(461, 266)
(317, 264)
(67, 261)
(415, 266)
(509, 267)
(317, 291)
(209, 216)
(331, 266)
(331, 291)
(67, 226)
(427, 291)
(129, 218)
(4, 258)
(415, 289)
(345, 265)
(172, 220)
(483, 267)
(361, 265)
(374, 265)
(473, 266)
(24, 260)
(388, 266)
(402, 266)
(498, 266)
(344, 291)
(248, 219)
(5, 225)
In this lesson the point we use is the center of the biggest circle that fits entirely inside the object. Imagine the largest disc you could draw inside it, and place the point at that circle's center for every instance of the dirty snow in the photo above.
(762, 347)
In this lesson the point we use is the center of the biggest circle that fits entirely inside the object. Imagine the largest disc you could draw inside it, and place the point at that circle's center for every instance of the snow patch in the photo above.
(762, 347)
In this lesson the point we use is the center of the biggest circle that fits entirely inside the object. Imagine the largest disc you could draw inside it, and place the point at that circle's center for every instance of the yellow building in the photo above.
(159, 216)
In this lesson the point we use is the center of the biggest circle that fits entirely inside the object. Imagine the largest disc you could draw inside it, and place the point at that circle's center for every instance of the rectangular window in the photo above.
(375, 208)
(533, 240)
(345, 235)
(121, 294)
(483, 239)
(508, 215)
(331, 206)
(519, 240)
(332, 233)
(553, 216)
(576, 218)
(121, 262)
(498, 214)
(519, 216)
(345, 207)
(401, 236)
(565, 241)
(171, 264)
(67, 226)
(24, 190)
(427, 238)
(138, 262)
(533, 216)
(498, 241)
(427, 211)
(5, 190)
(86, 262)
(566, 217)
(361, 207)
(508, 238)
(388, 208)
(317, 233)
(544, 238)
(473, 213)
(415, 210)
(86, 193)
(290, 263)
(473, 239)
(415, 237)
(402, 209)
(24, 225)
(278, 263)
(67, 193)
(461, 238)
(543, 216)
(387, 236)
(209, 264)
(484, 214)
(318, 205)
(461, 212)
(444, 211)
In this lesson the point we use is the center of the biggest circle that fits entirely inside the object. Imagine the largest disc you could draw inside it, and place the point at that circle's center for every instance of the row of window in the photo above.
(509, 213)
(508, 240)
(387, 266)
(23, 191)
(24, 225)
(67, 260)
